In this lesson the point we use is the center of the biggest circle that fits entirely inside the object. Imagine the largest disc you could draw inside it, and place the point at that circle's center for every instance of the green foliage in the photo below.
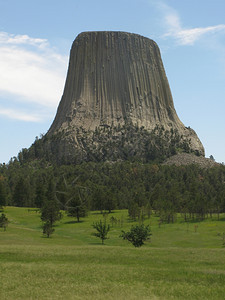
(140, 212)
(194, 192)
(76, 208)
(104, 198)
(76, 204)
(3, 194)
(133, 210)
(50, 211)
(48, 229)
(74, 199)
(21, 193)
(40, 193)
(102, 230)
(212, 158)
(24, 228)
(137, 235)
(3, 221)
(107, 143)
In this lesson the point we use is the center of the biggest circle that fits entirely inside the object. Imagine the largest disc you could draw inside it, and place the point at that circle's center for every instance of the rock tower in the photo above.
(114, 78)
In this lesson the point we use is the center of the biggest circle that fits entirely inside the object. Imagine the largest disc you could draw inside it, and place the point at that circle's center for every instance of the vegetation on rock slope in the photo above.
(126, 142)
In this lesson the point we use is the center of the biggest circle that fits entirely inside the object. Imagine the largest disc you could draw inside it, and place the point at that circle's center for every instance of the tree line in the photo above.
(141, 188)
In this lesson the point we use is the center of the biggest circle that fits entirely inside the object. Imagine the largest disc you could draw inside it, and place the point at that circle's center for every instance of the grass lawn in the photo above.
(178, 263)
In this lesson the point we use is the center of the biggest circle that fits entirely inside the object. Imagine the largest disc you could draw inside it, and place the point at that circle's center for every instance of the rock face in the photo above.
(184, 159)
(115, 78)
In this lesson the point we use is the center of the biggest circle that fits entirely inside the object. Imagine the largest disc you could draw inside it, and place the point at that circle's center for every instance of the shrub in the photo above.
(137, 235)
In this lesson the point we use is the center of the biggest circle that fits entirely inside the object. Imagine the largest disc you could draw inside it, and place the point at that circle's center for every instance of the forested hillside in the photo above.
(142, 188)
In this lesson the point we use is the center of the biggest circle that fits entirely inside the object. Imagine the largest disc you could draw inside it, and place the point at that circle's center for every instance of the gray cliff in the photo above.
(113, 78)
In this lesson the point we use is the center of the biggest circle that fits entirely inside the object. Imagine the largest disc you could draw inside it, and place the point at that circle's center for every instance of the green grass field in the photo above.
(178, 263)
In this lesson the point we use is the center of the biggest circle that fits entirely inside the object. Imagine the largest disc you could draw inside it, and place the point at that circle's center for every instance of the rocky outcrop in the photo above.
(116, 78)
(184, 159)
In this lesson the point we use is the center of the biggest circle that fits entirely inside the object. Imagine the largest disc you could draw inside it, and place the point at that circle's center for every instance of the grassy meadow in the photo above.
(182, 261)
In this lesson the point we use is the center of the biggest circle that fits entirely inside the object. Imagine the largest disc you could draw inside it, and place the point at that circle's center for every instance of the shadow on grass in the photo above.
(73, 222)
(192, 221)
(97, 244)
(129, 220)
(103, 213)
(199, 220)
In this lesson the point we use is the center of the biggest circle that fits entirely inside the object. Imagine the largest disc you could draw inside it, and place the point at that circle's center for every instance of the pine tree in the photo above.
(50, 211)
(21, 196)
(3, 194)
(40, 195)
(48, 229)
(4, 221)
(76, 206)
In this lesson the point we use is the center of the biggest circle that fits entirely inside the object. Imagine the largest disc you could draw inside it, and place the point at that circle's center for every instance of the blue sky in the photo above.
(36, 37)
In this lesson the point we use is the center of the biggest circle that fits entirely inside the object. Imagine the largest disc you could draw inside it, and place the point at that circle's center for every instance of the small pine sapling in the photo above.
(48, 229)
(102, 230)
(4, 221)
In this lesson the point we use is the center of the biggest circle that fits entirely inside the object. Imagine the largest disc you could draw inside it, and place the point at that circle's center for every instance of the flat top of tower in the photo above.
(119, 34)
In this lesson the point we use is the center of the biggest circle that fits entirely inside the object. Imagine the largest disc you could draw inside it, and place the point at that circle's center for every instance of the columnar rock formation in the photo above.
(115, 78)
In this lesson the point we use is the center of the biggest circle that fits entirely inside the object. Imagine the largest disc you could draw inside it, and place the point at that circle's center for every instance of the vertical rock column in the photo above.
(114, 77)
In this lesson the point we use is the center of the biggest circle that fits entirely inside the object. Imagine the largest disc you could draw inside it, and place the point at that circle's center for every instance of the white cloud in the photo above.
(30, 71)
(19, 115)
(174, 28)
(190, 36)
(30, 75)
(6, 38)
